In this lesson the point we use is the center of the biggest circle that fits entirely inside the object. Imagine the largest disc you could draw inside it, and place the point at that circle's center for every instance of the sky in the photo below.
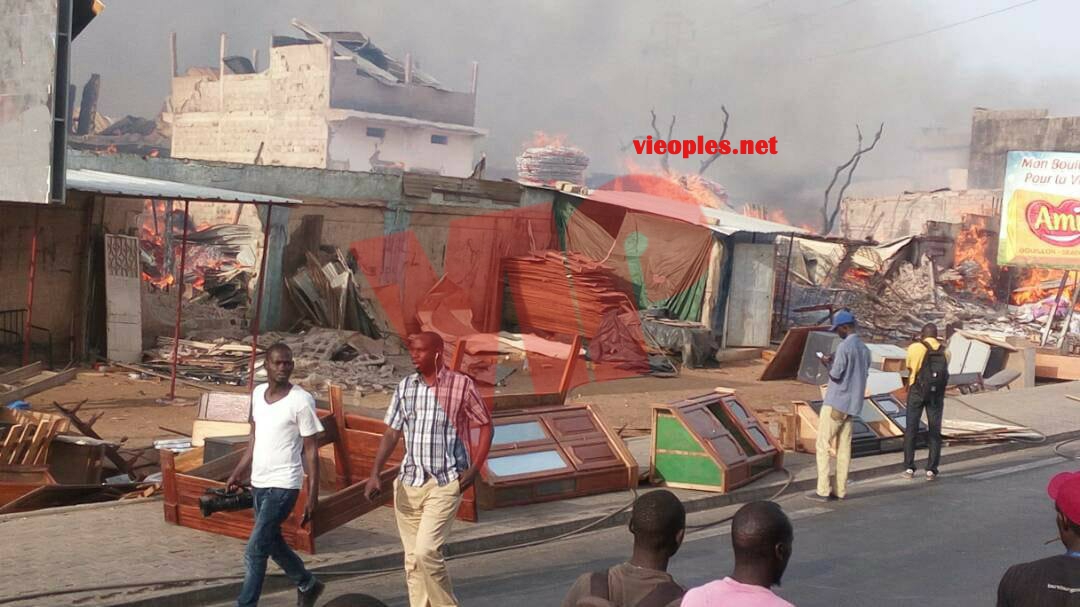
(804, 71)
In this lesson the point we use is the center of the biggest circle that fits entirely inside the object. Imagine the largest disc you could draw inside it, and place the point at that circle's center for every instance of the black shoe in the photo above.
(307, 599)
(813, 495)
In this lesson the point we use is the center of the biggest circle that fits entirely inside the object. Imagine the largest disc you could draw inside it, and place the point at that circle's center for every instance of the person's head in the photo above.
(843, 323)
(658, 523)
(426, 351)
(929, 330)
(761, 537)
(355, 600)
(279, 363)
(1064, 490)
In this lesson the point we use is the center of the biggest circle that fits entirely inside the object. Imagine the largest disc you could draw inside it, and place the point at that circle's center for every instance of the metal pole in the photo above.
(31, 273)
(258, 299)
(1053, 311)
(179, 303)
(1063, 340)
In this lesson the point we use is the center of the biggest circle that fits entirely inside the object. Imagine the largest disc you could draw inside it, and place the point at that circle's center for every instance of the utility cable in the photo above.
(925, 32)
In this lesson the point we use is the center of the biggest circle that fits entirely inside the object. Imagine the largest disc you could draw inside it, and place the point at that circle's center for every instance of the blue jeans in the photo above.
(272, 507)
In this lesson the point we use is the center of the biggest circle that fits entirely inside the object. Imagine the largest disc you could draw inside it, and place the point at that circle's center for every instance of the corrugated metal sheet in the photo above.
(728, 222)
(717, 220)
(100, 182)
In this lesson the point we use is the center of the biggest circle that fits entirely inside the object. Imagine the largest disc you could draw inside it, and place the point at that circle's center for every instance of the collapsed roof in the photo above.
(374, 61)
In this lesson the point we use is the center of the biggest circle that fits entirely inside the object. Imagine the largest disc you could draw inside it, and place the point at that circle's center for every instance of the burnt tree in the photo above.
(664, 164)
(829, 211)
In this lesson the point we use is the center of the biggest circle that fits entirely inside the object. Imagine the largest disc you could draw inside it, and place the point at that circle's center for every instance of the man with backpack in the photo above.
(658, 522)
(928, 368)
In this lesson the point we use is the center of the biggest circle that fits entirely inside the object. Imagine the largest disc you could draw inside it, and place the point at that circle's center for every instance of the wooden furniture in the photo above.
(355, 440)
(880, 428)
(711, 443)
(24, 451)
(553, 453)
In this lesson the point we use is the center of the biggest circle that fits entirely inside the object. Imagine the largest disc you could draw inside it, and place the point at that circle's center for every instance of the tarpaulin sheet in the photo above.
(476, 245)
(663, 261)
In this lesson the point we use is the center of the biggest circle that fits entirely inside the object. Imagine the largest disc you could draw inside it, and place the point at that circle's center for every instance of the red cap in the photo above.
(1064, 489)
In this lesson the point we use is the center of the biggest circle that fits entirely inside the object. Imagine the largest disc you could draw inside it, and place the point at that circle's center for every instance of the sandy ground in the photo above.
(132, 407)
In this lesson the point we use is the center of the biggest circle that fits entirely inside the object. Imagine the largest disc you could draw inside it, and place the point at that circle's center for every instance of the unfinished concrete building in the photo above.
(994, 133)
(330, 100)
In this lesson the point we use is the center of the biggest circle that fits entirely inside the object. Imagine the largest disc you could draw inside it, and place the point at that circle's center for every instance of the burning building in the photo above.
(331, 100)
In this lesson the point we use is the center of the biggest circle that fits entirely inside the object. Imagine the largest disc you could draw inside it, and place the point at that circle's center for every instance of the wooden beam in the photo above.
(21, 373)
(40, 385)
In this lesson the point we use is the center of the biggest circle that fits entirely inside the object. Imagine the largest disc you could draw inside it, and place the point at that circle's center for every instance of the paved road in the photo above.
(892, 542)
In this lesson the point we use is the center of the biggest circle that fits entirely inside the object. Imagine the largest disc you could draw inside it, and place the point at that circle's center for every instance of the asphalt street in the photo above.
(891, 542)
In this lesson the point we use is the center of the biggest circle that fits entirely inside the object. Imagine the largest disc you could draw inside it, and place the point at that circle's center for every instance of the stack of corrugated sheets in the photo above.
(563, 293)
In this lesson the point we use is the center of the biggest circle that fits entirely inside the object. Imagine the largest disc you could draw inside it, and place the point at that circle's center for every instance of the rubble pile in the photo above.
(322, 356)
(899, 306)
(552, 163)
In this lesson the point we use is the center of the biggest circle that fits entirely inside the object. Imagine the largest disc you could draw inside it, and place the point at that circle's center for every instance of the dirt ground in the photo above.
(132, 407)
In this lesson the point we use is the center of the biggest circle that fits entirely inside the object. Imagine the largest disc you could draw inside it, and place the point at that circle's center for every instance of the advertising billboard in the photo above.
(1040, 211)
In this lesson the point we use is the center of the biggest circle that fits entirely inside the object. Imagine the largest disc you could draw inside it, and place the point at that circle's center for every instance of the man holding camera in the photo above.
(436, 410)
(284, 425)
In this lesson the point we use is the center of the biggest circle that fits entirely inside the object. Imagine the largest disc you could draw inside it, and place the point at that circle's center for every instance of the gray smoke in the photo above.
(592, 70)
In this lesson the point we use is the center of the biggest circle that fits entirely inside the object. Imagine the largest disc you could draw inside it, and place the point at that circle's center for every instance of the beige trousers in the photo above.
(424, 516)
(834, 427)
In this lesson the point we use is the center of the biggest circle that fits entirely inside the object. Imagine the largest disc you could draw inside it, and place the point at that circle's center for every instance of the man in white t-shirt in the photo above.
(761, 536)
(283, 444)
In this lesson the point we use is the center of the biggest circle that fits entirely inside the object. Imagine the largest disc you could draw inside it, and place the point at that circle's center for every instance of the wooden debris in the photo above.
(20, 383)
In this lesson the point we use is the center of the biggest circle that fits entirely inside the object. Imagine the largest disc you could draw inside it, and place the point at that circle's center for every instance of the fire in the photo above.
(541, 139)
(1037, 284)
(778, 216)
(972, 250)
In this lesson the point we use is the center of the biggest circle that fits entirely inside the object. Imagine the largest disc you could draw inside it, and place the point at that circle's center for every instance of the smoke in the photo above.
(592, 70)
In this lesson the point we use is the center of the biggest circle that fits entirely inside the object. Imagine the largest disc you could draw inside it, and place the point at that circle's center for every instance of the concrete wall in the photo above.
(351, 148)
(995, 133)
(352, 91)
(889, 218)
(280, 110)
(60, 265)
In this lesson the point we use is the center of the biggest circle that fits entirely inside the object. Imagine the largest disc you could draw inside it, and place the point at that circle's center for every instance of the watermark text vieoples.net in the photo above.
(701, 145)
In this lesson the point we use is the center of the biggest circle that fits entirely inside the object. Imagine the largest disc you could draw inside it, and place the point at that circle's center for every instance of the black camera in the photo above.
(220, 500)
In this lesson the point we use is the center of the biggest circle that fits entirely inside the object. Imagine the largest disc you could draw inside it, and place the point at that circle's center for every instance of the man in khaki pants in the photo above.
(848, 369)
(435, 409)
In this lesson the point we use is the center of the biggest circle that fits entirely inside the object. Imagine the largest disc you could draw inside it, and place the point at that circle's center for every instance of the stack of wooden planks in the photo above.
(565, 293)
(222, 361)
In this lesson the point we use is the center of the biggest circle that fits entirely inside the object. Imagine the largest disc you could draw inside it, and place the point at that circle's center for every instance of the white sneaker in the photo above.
(931, 475)
(909, 473)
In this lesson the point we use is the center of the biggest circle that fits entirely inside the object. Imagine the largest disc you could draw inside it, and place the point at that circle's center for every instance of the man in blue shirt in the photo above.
(848, 369)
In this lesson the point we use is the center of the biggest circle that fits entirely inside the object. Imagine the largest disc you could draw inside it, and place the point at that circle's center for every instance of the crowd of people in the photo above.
(447, 432)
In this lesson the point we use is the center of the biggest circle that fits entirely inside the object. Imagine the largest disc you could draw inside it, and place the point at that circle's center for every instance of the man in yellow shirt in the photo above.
(928, 376)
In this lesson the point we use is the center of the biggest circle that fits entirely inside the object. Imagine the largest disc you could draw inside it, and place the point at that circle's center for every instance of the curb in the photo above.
(208, 595)
(78, 508)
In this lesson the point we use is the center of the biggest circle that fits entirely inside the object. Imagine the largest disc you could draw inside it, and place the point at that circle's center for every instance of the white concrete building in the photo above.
(331, 100)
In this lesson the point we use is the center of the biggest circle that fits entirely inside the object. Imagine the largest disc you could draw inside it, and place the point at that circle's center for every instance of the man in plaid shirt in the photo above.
(436, 410)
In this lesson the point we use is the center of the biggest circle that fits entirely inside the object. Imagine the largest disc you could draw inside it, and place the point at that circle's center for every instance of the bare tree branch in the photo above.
(707, 162)
(663, 158)
(828, 216)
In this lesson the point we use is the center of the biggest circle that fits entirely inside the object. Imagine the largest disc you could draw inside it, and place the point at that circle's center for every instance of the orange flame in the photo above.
(973, 245)
(1037, 284)
(541, 139)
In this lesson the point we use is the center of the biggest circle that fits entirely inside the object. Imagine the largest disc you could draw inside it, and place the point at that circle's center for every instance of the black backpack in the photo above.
(933, 375)
(600, 593)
